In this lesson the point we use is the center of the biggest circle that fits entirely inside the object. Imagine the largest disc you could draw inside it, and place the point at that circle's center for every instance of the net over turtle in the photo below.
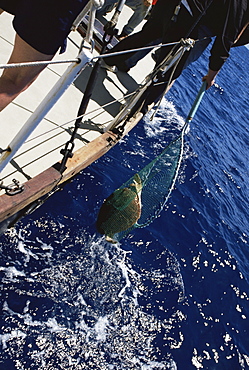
(121, 210)
(140, 200)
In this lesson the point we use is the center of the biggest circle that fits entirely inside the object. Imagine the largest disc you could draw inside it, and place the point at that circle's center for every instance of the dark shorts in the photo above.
(43, 24)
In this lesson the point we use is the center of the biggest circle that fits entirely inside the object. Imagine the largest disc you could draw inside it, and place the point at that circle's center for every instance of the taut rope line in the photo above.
(77, 60)
(35, 64)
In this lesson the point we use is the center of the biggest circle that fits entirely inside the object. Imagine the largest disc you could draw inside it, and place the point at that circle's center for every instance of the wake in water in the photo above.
(91, 309)
(166, 122)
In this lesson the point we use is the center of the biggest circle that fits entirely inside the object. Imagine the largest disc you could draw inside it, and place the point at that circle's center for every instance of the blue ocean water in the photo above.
(174, 295)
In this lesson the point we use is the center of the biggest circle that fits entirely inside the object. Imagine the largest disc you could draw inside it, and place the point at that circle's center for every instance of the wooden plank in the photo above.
(33, 190)
(86, 155)
(43, 183)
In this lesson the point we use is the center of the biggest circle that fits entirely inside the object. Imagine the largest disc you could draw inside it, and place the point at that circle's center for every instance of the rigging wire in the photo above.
(99, 109)
(77, 60)
(37, 63)
(97, 58)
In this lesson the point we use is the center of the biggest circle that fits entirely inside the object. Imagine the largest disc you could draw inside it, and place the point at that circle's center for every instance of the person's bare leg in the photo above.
(15, 80)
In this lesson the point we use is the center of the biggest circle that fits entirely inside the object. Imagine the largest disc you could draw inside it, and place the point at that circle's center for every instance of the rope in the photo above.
(134, 50)
(77, 60)
(67, 152)
(81, 116)
(35, 64)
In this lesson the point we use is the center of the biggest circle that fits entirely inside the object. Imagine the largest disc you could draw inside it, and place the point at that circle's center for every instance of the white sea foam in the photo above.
(100, 328)
(99, 319)
(11, 272)
(27, 252)
(53, 326)
(167, 117)
(14, 334)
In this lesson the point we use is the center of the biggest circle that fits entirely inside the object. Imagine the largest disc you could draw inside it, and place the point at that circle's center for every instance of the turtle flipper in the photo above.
(109, 239)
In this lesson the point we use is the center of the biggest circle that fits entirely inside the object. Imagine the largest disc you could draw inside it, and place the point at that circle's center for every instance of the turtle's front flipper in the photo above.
(109, 239)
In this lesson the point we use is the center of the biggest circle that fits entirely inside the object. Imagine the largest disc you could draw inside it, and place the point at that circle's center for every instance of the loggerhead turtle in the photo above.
(121, 210)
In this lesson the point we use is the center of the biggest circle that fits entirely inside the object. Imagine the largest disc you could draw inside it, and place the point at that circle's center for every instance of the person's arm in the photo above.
(210, 77)
(235, 14)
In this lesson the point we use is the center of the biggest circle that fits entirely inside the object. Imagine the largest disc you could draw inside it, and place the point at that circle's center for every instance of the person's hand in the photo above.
(147, 3)
(210, 78)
